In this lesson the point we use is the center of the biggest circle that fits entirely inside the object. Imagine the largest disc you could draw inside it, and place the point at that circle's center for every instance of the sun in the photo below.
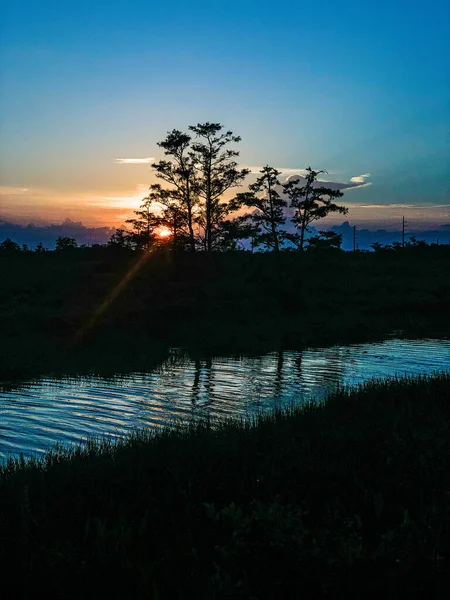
(164, 232)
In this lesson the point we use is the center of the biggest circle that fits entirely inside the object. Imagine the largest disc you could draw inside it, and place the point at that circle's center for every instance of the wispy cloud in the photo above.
(131, 201)
(360, 178)
(134, 161)
(404, 206)
(13, 190)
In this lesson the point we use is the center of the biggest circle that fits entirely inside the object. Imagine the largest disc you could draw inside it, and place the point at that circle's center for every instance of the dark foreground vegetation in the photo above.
(349, 499)
(109, 310)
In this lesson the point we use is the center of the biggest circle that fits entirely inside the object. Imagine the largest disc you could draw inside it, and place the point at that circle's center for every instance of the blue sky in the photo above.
(354, 88)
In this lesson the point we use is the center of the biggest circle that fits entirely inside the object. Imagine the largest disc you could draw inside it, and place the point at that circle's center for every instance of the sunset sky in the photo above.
(89, 87)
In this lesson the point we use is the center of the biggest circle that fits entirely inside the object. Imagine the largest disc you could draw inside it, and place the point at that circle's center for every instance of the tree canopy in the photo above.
(310, 202)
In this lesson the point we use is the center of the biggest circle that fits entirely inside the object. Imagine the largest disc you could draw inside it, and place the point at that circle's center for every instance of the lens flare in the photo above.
(164, 232)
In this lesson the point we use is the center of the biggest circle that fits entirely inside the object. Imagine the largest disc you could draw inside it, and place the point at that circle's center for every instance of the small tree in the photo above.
(415, 243)
(215, 172)
(40, 248)
(173, 216)
(232, 231)
(268, 217)
(144, 225)
(326, 240)
(377, 247)
(9, 247)
(311, 203)
(121, 239)
(63, 244)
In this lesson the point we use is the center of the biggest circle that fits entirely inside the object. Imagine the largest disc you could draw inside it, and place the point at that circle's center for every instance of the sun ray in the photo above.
(111, 297)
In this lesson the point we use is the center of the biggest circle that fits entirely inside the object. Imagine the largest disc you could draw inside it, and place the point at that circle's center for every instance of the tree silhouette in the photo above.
(121, 239)
(64, 243)
(144, 224)
(415, 243)
(174, 216)
(326, 240)
(215, 172)
(40, 248)
(8, 246)
(231, 231)
(311, 203)
(179, 173)
(268, 217)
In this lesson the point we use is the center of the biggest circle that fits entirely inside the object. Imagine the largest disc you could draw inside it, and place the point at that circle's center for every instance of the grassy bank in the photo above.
(349, 499)
(94, 310)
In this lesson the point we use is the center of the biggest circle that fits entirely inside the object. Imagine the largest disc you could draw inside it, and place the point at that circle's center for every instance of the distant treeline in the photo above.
(30, 236)
(126, 242)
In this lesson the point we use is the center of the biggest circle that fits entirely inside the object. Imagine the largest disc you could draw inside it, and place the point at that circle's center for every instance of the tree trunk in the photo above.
(272, 221)
(304, 225)
(208, 224)
(175, 234)
(302, 236)
(189, 211)
(191, 231)
(208, 205)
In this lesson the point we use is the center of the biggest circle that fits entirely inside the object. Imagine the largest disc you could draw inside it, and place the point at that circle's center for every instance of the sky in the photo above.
(359, 89)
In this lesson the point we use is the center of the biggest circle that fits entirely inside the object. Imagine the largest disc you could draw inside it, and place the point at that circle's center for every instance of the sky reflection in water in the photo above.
(35, 417)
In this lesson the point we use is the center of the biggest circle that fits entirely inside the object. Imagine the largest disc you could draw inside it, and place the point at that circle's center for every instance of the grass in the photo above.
(345, 499)
(69, 314)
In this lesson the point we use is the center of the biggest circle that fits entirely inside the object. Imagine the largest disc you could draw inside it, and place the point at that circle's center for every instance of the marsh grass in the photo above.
(347, 498)
(230, 302)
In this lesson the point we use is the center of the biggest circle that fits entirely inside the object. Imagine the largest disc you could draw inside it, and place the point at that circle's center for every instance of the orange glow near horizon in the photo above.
(163, 232)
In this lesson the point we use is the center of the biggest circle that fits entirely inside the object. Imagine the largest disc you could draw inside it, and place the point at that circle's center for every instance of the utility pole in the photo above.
(354, 238)
(403, 232)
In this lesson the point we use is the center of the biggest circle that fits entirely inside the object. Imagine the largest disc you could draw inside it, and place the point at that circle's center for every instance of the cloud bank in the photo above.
(33, 234)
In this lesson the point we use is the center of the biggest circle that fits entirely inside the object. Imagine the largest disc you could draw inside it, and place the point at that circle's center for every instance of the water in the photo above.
(44, 412)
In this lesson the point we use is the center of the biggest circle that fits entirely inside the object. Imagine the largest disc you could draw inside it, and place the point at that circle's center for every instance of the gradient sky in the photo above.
(354, 88)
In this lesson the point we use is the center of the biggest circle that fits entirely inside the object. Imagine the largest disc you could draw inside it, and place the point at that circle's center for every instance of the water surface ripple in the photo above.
(44, 412)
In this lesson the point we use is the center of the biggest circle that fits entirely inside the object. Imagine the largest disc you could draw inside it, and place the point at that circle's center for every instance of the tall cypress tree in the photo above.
(215, 172)
(178, 172)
